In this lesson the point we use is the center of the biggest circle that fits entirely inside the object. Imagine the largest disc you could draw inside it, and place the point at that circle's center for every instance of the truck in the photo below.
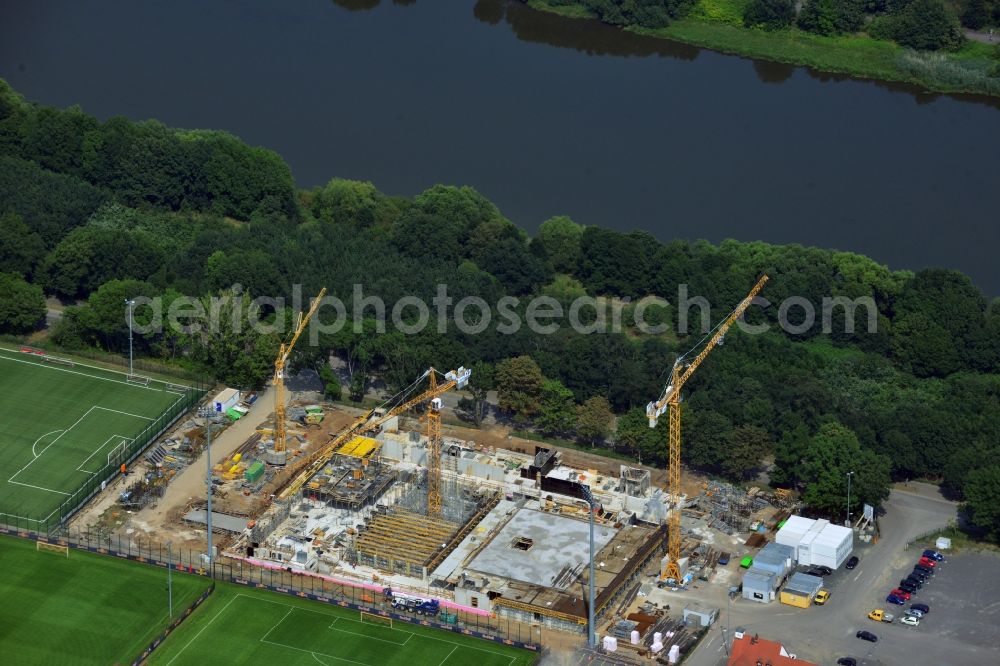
(413, 604)
(880, 615)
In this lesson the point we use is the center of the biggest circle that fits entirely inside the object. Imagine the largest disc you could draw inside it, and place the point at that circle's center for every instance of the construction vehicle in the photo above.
(278, 455)
(372, 421)
(670, 400)
(413, 604)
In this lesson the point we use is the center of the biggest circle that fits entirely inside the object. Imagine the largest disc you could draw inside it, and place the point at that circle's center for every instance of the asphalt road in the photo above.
(960, 630)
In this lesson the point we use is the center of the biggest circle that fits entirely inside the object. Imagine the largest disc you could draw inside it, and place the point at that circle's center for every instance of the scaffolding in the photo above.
(730, 505)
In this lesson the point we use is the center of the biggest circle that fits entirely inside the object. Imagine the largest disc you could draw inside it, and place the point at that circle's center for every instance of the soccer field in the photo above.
(62, 424)
(245, 626)
(84, 608)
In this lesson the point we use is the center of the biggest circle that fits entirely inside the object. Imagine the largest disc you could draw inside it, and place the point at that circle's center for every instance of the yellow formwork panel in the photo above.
(359, 447)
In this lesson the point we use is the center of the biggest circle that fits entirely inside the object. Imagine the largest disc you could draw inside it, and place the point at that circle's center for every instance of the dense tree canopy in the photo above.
(93, 212)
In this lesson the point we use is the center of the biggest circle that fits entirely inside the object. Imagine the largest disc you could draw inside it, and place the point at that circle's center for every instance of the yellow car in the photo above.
(821, 597)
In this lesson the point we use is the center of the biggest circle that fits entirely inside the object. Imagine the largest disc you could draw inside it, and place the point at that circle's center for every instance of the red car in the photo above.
(902, 594)
(927, 562)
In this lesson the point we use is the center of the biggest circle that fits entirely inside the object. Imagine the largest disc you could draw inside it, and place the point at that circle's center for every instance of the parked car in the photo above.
(867, 636)
(826, 571)
(880, 615)
(818, 571)
(822, 597)
(847, 661)
(909, 589)
(911, 612)
(916, 581)
(927, 562)
(934, 555)
(902, 594)
(893, 599)
(851, 563)
(927, 571)
(724, 559)
(923, 608)
(919, 573)
(910, 620)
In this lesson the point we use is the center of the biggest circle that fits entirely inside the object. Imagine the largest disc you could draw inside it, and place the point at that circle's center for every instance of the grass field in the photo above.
(237, 625)
(60, 423)
(81, 609)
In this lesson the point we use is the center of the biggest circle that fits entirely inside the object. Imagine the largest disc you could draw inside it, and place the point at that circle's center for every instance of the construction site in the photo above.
(383, 499)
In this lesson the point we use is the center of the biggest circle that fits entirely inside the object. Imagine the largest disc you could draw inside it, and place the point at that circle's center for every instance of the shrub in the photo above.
(769, 14)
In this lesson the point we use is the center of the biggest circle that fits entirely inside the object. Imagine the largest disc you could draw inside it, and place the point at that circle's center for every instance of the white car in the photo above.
(911, 620)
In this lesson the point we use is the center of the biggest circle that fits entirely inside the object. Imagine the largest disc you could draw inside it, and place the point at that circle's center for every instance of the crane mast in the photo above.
(433, 451)
(670, 400)
(278, 455)
(455, 379)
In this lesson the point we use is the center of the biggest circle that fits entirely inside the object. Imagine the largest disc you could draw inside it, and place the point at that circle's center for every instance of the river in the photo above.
(543, 115)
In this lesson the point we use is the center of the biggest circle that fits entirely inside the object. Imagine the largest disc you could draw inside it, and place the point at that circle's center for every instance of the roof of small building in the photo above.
(803, 583)
(749, 649)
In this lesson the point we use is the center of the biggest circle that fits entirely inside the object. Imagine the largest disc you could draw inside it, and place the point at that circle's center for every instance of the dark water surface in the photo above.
(543, 115)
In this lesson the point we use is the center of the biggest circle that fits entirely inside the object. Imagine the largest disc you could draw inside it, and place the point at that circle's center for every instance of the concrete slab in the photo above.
(538, 548)
(220, 521)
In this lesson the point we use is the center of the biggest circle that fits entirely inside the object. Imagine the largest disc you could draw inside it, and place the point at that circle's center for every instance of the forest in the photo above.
(93, 212)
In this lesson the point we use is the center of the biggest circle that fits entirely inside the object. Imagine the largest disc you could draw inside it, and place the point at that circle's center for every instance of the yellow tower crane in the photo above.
(433, 451)
(369, 422)
(671, 399)
(278, 455)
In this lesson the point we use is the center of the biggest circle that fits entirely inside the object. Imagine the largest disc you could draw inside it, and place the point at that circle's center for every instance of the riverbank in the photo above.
(718, 25)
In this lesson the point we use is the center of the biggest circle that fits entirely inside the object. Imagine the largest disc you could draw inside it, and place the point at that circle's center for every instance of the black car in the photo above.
(847, 661)
(926, 570)
(820, 571)
(906, 587)
(923, 608)
(910, 580)
(867, 636)
(919, 575)
(851, 563)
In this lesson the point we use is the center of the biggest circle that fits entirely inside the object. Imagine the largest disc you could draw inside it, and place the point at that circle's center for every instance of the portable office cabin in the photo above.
(226, 400)
(792, 532)
(800, 590)
(816, 542)
(776, 558)
(759, 585)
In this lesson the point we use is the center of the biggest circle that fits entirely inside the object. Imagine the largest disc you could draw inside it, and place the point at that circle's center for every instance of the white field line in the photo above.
(328, 656)
(50, 444)
(40, 439)
(448, 656)
(338, 618)
(122, 439)
(202, 630)
(84, 374)
(276, 624)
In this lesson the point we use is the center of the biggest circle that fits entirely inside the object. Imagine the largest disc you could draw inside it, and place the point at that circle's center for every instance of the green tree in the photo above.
(769, 14)
(480, 384)
(833, 452)
(632, 433)
(331, 383)
(519, 386)
(352, 202)
(925, 25)
(22, 305)
(831, 17)
(982, 500)
(746, 445)
(233, 350)
(976, 14)
(556, 409)
(593, 420)
(20, 248)
(705, 434)
(560, 239)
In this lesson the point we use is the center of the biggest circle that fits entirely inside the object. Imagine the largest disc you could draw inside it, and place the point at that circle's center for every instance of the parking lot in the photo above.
(964, 598)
